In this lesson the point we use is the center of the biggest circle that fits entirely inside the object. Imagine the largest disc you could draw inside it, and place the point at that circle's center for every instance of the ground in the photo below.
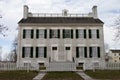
(105, 74)
(17, 75)
(62, 76)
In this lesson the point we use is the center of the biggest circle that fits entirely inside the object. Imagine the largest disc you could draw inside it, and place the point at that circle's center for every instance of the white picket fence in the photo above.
(12, 66)
(108, 66)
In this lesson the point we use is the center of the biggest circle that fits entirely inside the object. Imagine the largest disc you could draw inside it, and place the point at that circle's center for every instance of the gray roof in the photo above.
(60, 20)
(115, 51)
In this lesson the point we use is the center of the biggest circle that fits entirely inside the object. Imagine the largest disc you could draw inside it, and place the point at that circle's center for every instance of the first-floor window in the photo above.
(41, 52)
(94, 52)
(27, 52)
(81, 52)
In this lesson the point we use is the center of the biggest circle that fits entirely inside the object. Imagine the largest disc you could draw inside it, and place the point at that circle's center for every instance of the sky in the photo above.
(12, 12)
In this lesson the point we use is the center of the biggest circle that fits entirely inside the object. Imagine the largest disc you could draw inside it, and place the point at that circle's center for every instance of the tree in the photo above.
(117, 28)
(13, 54)
(3, 28)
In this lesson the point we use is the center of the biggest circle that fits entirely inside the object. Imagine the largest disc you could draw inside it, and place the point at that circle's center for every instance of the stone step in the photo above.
(61, 66)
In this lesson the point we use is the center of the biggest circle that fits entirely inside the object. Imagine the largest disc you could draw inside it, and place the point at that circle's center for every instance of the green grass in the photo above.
(17, 75)
(104, 74)
(62, 76)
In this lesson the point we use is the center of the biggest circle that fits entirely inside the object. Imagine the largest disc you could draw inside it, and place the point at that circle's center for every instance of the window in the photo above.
(81, 52)
(54, 48)
(27, 52)
(41, 33)
(94, 33)
(67, 33)
(28, 33)
(67, 48)
(41, 52)
(55, 33)
(80, 33)
(94, 52)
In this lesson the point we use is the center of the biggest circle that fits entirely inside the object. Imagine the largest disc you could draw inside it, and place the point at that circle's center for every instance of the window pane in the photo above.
(54, 33)
(28, 33)
(81, 52)
(67, 33)
(41, 52)
(94, 49)
(41, 33)
(27, 51)
(81, 33)
(94, 33)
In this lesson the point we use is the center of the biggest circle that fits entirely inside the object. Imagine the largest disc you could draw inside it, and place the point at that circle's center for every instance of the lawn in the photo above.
(17, 75)
(104, 74)
(62, 76)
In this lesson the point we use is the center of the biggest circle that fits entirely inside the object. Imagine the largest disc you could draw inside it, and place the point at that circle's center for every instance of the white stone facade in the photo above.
(66, 47)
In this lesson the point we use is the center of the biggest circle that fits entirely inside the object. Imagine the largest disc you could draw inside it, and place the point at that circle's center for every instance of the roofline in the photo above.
(70, 24)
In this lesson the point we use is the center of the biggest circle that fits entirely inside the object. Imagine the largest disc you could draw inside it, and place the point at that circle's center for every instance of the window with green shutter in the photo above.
(85, 52)
(90, 52)
(31, 52)
(58, 33)
(77, 52)
(23, 52)
(45, 33)
(84, 33)
(98, 51)
(24, 33)
(72, 33)
(77, 33)
(98, 35)
(45, 52)
(32, 33)
(37, 33)
(36, 52)
(50, 33)
(90, 35)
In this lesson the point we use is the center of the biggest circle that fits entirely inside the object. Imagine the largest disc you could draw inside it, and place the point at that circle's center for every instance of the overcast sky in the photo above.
(12, 12)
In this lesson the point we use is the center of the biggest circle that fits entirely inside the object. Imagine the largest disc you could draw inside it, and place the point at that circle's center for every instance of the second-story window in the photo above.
(94, 33)
(81, 33)
(41, 33)
(67, 33)
(28, 33)
(54, 33)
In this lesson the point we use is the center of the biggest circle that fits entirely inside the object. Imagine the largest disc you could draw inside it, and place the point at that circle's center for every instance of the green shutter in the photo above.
(98, 51)
(63, 33)
(77, 52)
(37, 33)
(24, 33)
(45, 52)
(90, 51)
(32, 33)
(72, 33)
(77, 33)
(50, 34)
(23, 52)
(45, 33)
(85, 33)
(31, 52)
(37, 52)
(85, 52)
(58, 33)
(97, 31)
(90, 35)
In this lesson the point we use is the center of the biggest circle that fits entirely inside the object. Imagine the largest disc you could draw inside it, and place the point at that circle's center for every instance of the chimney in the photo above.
(94, 12)
(25, 12)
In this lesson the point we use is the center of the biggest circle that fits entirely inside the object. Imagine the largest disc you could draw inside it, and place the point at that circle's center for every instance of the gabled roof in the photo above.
(61, 20)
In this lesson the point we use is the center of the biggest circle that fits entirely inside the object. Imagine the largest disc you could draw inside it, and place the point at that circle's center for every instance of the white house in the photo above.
(60, 41)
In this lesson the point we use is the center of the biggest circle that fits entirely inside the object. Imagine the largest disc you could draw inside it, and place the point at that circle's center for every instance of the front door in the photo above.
(55, 53)
(68, 54)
